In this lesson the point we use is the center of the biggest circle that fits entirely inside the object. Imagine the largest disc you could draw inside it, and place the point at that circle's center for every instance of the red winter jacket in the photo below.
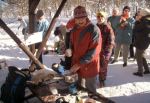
(86, 46)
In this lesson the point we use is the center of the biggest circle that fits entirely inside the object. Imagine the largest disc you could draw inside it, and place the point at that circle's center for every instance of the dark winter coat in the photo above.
(141, 33)
(124, 35)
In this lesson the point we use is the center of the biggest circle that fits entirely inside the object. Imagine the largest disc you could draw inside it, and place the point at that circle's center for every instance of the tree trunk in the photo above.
(49, 31)
(32, 6)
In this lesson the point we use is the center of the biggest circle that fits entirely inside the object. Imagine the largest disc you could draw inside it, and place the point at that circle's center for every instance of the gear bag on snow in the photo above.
(13, 90)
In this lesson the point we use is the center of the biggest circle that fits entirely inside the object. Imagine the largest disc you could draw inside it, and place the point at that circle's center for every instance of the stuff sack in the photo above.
(13, 90)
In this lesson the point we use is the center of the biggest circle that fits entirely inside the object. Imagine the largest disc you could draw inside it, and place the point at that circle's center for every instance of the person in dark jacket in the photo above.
(142, 40)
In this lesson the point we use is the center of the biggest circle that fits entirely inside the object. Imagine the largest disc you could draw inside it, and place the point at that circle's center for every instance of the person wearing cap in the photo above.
(107, 45)
(123, 37)
(142, 40)
(85, 43)
(41, 25)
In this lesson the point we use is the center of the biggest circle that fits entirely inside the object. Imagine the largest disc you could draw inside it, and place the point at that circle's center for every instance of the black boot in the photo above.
(124, 64)
(146, 72)
(138, 74)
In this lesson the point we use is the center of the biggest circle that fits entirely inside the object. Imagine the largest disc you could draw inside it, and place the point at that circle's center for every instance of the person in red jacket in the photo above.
(85, 47)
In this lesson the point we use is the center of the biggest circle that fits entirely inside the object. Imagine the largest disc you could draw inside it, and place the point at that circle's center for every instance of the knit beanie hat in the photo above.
(80, 12)
(126, 7)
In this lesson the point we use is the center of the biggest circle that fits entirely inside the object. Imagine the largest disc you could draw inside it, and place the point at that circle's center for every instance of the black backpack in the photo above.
(13, 90)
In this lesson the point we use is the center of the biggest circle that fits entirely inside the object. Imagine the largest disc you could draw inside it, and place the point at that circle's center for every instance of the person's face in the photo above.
(38, 18)
(81, 21)
(126, 12)
(115, 12)
(100, 19)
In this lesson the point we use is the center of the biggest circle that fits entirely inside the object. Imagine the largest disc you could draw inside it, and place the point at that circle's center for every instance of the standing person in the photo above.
(142, 40)
(132, 51)
(107, 45)
(23, 24)
(41, 25)
(112, 21)
(86, 46)
(123, 35)
(60, 31)
(69, 27)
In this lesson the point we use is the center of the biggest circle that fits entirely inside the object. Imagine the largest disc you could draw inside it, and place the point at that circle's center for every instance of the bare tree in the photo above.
(20, 7)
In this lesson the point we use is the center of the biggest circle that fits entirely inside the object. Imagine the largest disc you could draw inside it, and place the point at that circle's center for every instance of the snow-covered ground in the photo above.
(121, 85)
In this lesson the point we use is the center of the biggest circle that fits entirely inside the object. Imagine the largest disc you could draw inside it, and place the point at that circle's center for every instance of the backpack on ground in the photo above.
(13, 90)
